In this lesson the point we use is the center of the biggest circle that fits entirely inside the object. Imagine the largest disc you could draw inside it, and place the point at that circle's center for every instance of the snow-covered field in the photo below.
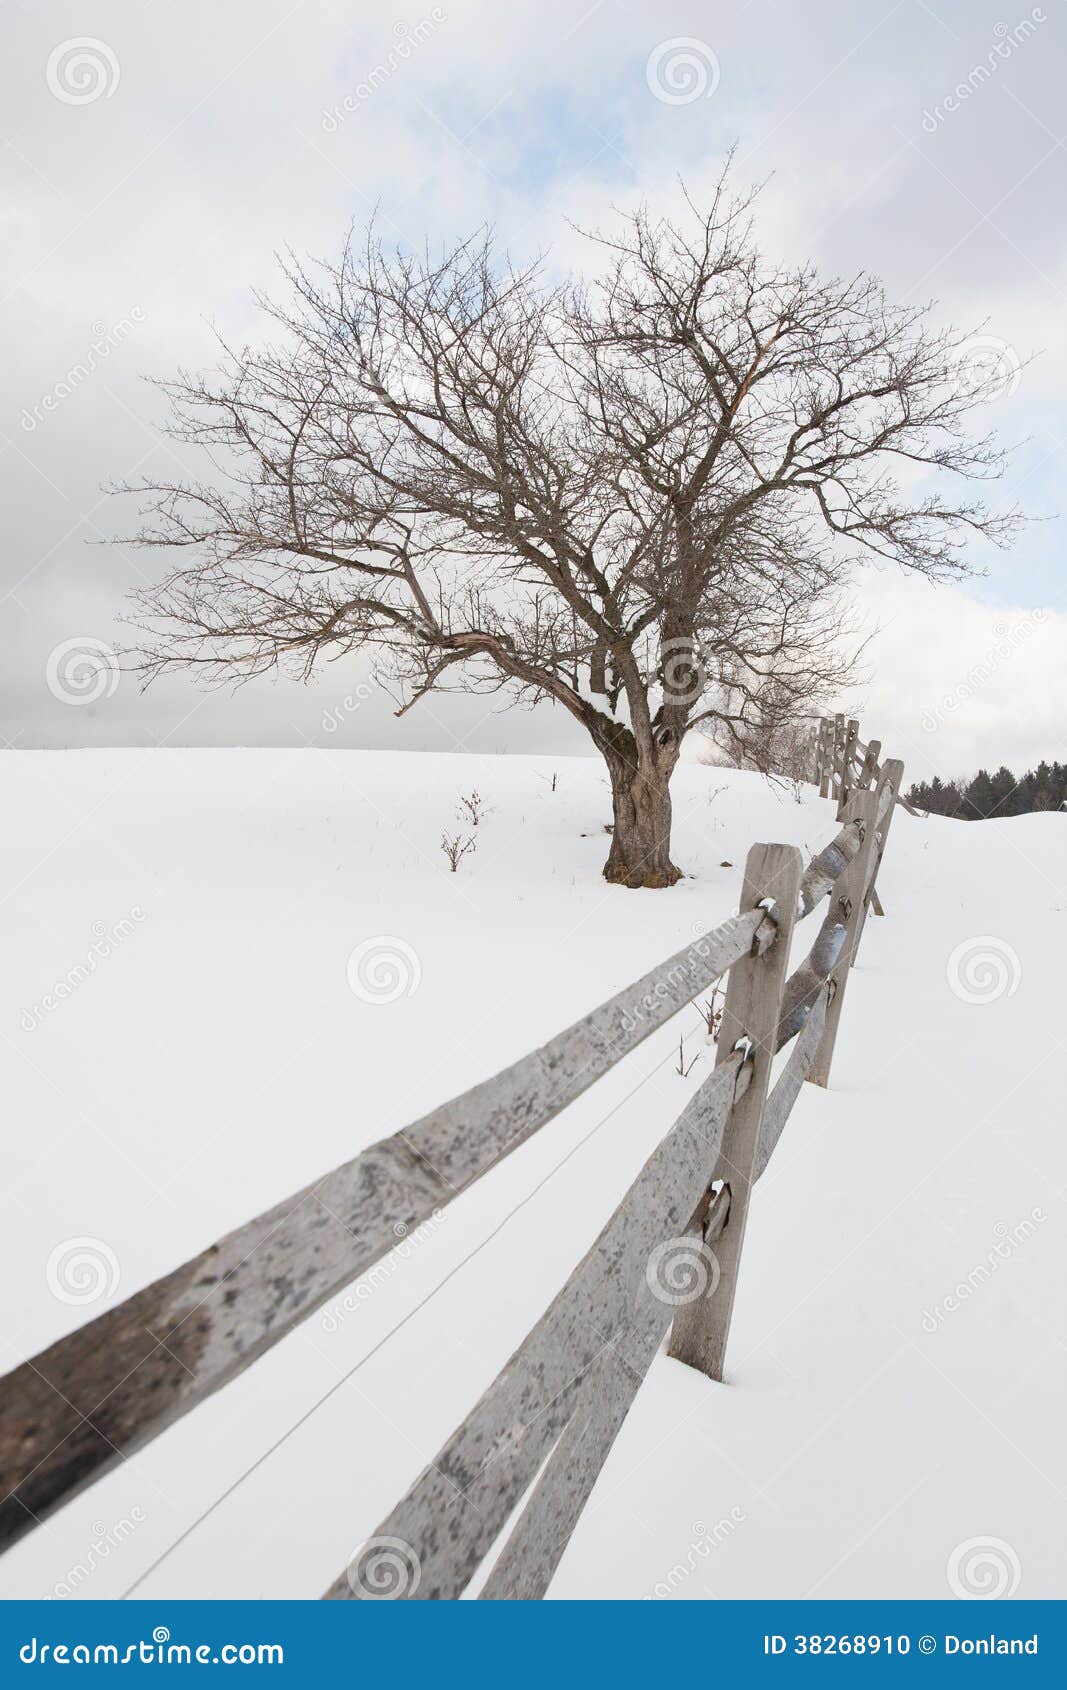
(184, 1048)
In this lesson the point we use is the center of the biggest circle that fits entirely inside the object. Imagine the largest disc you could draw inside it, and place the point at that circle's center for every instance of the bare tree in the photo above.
(783, 743)
(637, 496)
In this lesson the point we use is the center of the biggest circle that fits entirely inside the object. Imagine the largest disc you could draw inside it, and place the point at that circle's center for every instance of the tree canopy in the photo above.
(636, 493)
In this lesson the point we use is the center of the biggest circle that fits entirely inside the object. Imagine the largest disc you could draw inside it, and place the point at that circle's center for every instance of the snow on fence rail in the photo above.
(554, 1411)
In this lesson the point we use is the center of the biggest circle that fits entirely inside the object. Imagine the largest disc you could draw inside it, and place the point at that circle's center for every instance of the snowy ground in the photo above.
(217, 1059)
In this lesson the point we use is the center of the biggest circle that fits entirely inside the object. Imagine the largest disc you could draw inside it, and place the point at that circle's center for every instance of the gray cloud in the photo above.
(917, 141)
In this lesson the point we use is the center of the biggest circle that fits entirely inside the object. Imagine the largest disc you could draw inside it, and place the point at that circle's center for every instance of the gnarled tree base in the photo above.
(640, 854)
(620, 874)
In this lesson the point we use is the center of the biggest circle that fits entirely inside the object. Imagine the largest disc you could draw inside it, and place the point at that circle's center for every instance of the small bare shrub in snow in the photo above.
(711, 1009)
(455, 848)
(683, 1066)
(472, 807)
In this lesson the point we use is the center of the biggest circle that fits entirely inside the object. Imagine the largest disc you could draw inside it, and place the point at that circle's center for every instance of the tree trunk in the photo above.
(640, 852)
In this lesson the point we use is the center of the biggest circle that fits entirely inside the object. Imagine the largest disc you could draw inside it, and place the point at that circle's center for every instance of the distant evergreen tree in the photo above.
(1005, 790)
(979, 797)
(996, 795)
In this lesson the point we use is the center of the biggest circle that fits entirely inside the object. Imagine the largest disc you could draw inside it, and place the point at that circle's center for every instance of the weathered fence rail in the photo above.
(843, 764)
(550, 1418)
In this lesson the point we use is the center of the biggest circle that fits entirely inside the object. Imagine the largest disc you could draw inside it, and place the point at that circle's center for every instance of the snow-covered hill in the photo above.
(189, 1037)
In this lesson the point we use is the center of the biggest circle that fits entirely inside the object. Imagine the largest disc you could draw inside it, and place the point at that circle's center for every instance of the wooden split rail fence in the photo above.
(669, 1256)
(843, 764)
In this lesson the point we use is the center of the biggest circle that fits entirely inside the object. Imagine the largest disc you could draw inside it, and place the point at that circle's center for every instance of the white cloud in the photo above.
(171, 196)
(956, 683)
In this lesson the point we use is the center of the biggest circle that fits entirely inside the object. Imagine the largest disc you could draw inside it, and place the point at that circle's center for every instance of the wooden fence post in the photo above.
(852, 896)
(751, 1012)
(839, 749)
(870, 770)
(889, 779)
(876, 902)
(824, 770)
(848, 781)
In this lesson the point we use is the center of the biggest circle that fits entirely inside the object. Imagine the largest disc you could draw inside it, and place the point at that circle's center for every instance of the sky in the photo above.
(158, 155)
